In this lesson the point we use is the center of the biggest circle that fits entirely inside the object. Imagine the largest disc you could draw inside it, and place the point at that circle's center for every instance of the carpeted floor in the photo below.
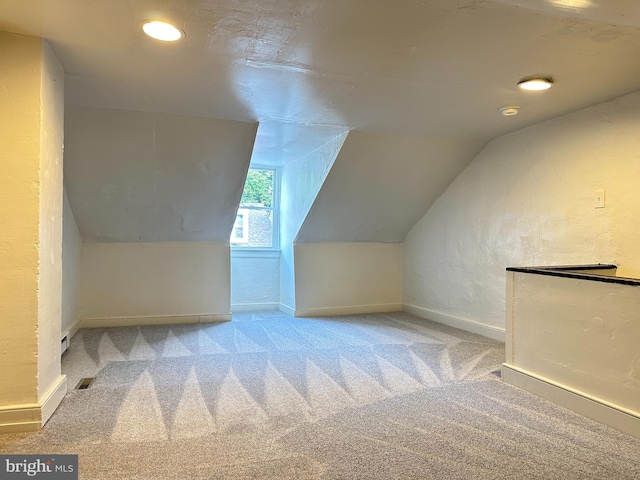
(267, 396)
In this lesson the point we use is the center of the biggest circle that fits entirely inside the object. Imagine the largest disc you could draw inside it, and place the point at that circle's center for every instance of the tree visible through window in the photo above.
(258, 188)
(254, 226)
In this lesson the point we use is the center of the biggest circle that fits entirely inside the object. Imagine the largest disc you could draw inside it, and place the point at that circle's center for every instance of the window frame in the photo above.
(247, 250)
(245, 226)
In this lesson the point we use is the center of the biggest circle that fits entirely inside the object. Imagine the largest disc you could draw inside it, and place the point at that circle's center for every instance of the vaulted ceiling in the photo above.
(306, 70)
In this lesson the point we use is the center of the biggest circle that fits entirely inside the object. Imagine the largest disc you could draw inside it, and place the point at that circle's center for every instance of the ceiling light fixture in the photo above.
(573, 4)
(510, 110)
(162, 30)
(536, 83)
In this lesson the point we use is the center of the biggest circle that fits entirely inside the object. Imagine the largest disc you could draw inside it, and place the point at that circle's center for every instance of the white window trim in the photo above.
(245, 226)
(254, 252)
(239, 250)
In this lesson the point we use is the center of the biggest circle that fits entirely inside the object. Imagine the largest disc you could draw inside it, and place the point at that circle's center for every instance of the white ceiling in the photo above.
(309, 70)
(438, 68)
(151, 177)
(381, 184)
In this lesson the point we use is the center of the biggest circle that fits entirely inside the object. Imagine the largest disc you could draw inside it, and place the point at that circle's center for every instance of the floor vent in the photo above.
(85, 383)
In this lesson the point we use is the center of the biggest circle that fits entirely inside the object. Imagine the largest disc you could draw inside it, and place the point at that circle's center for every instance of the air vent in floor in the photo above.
(85, 383)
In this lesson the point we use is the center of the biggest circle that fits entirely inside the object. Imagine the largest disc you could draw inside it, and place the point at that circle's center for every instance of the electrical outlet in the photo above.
(599, 198)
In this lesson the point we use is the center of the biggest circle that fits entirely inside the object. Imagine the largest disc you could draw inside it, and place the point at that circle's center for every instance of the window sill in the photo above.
(254, 252)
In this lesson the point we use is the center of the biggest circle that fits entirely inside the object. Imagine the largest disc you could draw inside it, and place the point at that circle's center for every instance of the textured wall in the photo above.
(154, 279)
(51, 208)
(31, 118)
(556, 324)
(20, 69)
(71, 257)
(255, 281)
(528, 199)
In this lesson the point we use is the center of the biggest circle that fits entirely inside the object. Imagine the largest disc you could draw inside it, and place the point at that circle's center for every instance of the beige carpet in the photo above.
(267, 396)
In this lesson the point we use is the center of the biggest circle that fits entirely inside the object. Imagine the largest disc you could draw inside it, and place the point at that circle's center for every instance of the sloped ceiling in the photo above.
(435, 68)
(420, 68)
(381, 184)
(148, 177)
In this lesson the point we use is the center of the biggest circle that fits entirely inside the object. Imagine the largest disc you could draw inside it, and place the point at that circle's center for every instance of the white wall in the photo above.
(71, 255)
(557, 323)
(51, 200)
(301, 180)
(134, 283)
(554, 326)
(528, 199)
(347, 278)
(31, 119)
(255, 281)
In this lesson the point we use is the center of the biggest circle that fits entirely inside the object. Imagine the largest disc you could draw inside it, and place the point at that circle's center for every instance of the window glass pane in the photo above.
(253, 228)
(258, 189)
(260, 228)
(239, 234)
(254, 223)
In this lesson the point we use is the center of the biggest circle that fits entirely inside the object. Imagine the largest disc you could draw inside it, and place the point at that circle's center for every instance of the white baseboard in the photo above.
(253, 307)
(159, 320)
(490, 331)
(589, 406)
(347, 310)
(286, 309)
(53, 397)
(31, 417)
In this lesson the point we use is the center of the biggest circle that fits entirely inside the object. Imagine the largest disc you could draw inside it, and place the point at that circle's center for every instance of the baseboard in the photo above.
(159, 320)
(286, 309)
(347, 310)
(20, 418)
(32, 417)
(51, 400)
(489, 331)
(253, 307)
(594, 408)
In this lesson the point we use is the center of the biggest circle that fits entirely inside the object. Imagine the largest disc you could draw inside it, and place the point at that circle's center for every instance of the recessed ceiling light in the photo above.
(162, 30)
(510, 110)
(537, 83)
(573, 4)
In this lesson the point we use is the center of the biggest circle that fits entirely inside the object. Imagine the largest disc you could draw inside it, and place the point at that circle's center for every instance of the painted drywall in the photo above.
(381, 184)
(160, 279)
(153, 177)
(51, 211)
(71, 255)
(556, 324)
(31, 118)
(20, 70)
(301, 180)
(344, 278)
(528, 199)
(436, 67)
(255, 281)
